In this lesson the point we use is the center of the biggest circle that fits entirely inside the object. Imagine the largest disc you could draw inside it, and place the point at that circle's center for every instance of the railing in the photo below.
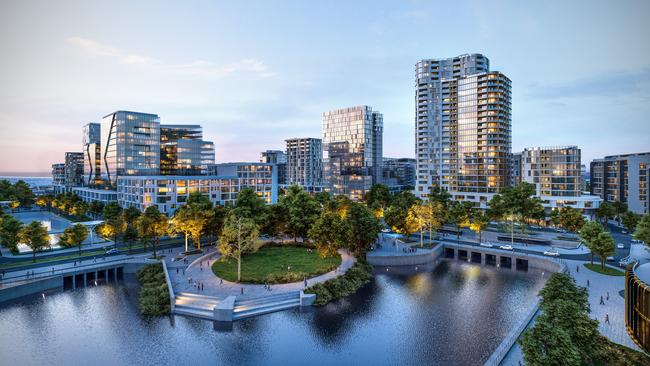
(170, 290)
(49, 273)
(500, 353)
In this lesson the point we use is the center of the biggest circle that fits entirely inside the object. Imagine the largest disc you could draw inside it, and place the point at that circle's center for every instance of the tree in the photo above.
(152, 225)
(572, 317)
(328, 233)
(478, 221)
(214, 224)
(642, 231)
(36, 237)
(417, 216)
(362, 229)
(252, 206)
(10, 228)
(517, 204)
(619, 209)
(74, 236)
(113, 226)
(571, 219)
(278, 218)
(436, 194)
(79, 208)
(200, 200)
(458, 214)
(130, 217)
(545, 345)
(96, 207)
(301, 209)
(378, 199)
(45, 201)
(188, 220)
(555, 217)
(240, 236)
(561, 286)
(603, 246)
(434, 216)
(604, 212)
(588, 233)
(630, 220)
(396, 216)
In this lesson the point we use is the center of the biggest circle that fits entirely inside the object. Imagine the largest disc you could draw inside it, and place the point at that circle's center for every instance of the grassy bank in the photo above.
(607, 271)
(358, 275)
(271, 265)
(154, 294)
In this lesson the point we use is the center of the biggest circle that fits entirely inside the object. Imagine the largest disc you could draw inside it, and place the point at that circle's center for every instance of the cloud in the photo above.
(199, 68)
(613, 84)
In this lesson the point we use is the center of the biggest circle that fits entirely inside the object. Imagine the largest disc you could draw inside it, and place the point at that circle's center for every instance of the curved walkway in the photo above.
(200, 271)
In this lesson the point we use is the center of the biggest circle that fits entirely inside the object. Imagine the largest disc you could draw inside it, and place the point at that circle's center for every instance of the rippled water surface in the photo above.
(449, 314)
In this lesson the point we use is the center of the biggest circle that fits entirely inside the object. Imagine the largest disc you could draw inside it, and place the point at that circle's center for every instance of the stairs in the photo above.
(195, 305)
(264, 305)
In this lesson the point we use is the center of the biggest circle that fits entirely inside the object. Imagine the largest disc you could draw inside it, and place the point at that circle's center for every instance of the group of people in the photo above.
(267, 287)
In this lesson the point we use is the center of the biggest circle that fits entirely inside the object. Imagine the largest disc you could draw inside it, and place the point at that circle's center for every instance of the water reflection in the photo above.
(449, 313)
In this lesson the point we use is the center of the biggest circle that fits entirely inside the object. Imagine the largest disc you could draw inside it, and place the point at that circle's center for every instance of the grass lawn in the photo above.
(608, 270)
(270, 263)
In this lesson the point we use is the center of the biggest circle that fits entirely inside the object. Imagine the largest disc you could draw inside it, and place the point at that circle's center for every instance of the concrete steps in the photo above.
(195, 305)
(264, 305)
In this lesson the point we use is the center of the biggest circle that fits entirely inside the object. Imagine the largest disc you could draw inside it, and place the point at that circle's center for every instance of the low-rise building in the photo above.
(398, 174)
(261, 177)
(622, 178)
(90, 194)
(556, 174)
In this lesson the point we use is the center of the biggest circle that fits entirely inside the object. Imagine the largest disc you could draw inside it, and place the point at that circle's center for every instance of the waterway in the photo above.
(450, 313)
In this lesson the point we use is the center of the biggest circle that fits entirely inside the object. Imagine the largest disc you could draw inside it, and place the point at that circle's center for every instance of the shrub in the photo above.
(154, 294)
(357, 276)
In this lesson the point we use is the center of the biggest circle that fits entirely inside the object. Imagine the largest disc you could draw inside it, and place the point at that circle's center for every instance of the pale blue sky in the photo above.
(257, 72)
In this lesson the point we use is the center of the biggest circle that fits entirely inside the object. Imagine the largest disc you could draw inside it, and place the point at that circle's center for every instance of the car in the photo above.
(505, 247)
(626, 261)
(385, 231)
(112, 252)
(552, 253)
(624, 232)
(620, 246)
(611, 259)
(487, 245)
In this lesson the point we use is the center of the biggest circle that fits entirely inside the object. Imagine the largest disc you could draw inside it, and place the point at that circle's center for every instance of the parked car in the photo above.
(626, 261)
(624, 232)
(385, 231)
(505, 247)
(487, 245)
(112, 252)
(552, 253)
(620, 246)
(611, 259)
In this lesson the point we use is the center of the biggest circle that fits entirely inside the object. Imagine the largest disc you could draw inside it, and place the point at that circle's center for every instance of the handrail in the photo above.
(62, 271)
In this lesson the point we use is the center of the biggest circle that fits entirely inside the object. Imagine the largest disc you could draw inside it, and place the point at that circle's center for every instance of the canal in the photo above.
(448, 313)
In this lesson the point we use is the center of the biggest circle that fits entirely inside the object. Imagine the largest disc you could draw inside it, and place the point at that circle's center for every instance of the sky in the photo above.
(254, 73)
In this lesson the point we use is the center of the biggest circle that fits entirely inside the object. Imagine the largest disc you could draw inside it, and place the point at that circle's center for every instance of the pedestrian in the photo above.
(221, 281)
(201, 269)
(202, 287)
(602, 302)
(587, 283)
(607, 295)
(305, 282)
(183, 271)
(176, 270)
(607, 318)
(577, 268)
(242, 290)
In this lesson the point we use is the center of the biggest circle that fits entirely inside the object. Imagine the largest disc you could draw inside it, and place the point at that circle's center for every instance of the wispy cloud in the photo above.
(199, 68)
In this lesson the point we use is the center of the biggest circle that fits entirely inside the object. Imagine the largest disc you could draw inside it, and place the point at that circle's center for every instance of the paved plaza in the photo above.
(185, 276)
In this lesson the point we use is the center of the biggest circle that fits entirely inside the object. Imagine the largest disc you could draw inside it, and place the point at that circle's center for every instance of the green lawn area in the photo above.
(608, 271)
(269, 265)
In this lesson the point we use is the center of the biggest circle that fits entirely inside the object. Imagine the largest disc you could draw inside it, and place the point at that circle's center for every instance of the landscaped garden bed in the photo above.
(355, 277)
(154, 294)
(276, 264)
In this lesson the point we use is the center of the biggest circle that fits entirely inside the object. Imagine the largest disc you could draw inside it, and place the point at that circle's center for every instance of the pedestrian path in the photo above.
(200, 279)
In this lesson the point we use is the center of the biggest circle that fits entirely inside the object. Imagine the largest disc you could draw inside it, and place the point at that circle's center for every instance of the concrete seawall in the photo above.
(405, 259)
(31, 288)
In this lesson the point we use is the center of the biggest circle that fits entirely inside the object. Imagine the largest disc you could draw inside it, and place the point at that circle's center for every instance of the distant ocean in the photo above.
(32, 181)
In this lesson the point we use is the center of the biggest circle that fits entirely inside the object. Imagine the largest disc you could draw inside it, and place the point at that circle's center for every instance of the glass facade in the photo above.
(131, 145)
(622, 178)
(305, 163)
(183, 151)
(637, 305)
(92, 153)
(555, 171)
(353, 148)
